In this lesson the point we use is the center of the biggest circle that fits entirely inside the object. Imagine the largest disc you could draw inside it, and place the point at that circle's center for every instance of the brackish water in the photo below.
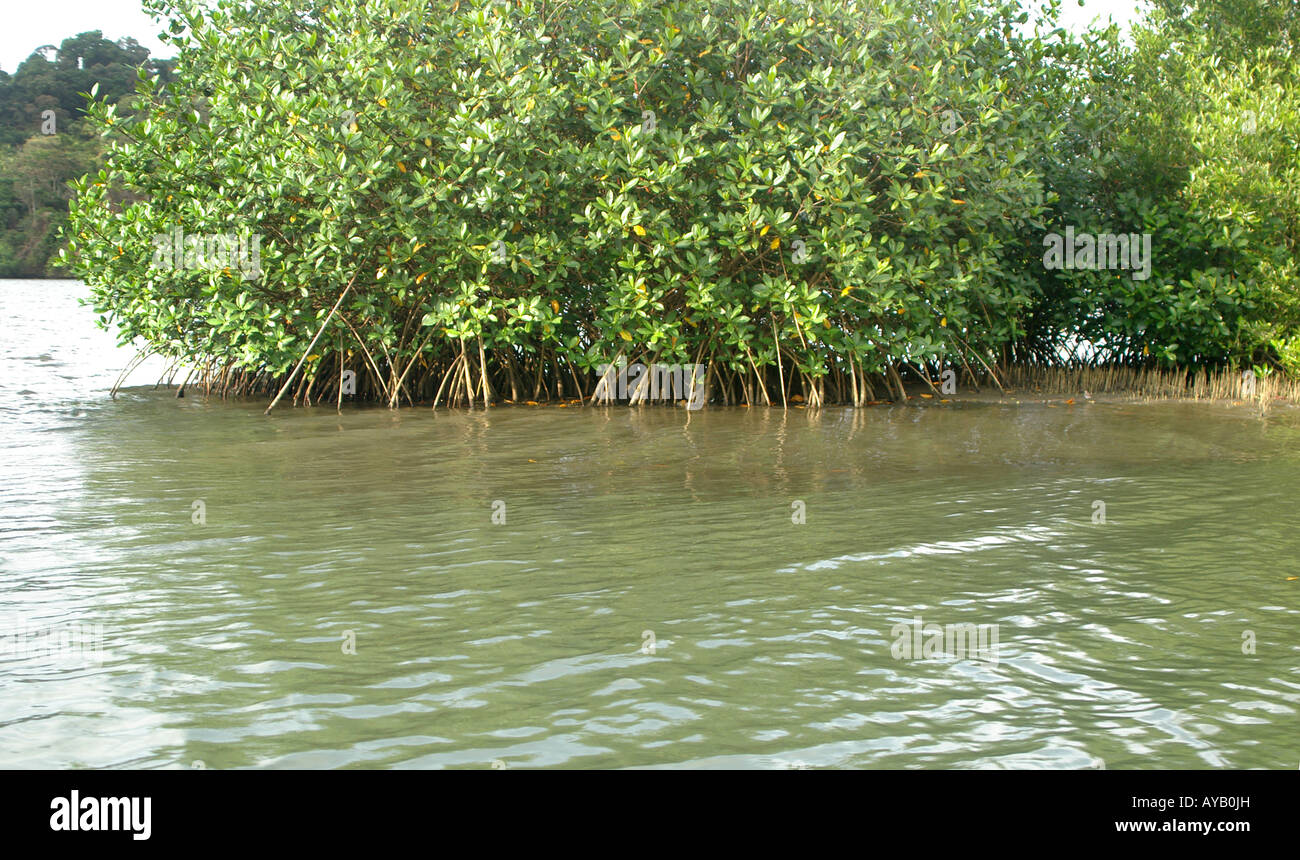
(523, 643)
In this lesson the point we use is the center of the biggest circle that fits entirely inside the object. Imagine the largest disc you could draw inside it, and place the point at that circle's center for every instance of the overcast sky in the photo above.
(29, 24)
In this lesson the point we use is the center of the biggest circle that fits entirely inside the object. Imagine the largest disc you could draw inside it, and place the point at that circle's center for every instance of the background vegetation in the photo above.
(35, 168)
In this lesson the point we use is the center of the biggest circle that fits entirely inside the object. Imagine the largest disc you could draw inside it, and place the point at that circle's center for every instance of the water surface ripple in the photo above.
(523, 642)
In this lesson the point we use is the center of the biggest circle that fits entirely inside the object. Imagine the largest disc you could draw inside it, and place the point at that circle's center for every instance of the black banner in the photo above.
(135, 810)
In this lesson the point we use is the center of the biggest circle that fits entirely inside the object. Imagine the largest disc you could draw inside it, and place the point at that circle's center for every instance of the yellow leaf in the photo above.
(702, 53)
(927, 396)
(639, 230)
(401, 167)
(959, 202)
(645, 41)
(943, 322)
(776, 243)
(616, 135)
(845, 291)
(428, 143)
(555, 306)
(383, 102)
(313, 357)
(766, 227)
(420, 277)
(625, 335)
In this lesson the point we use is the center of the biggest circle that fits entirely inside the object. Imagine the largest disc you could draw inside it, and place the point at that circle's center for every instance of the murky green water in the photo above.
(648, 599)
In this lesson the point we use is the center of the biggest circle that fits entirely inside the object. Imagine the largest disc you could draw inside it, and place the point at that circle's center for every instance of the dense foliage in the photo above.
(457, 199)
(1189, 136)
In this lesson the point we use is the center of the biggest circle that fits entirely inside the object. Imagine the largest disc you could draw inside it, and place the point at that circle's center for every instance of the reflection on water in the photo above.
(449, 589)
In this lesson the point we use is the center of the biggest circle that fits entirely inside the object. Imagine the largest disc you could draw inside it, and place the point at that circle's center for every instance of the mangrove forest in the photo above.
(457, 202)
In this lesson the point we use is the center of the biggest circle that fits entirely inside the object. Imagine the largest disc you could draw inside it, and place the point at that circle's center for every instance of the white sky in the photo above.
(28, 24)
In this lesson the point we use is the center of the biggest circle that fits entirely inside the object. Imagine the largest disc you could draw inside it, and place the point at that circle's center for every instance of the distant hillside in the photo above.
(40, 152)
